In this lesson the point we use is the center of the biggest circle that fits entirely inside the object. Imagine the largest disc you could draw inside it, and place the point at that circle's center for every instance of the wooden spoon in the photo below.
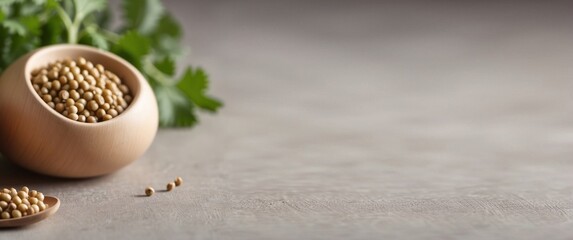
(54, 203)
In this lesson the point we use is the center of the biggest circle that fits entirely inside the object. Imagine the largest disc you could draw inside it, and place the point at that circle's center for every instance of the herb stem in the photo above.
(67, 22)
(156, 74)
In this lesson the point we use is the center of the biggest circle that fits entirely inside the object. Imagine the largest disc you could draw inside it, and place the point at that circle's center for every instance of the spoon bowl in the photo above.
(54, 205)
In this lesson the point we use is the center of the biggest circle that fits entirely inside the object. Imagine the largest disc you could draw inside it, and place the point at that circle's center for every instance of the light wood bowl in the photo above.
(38, 138)
(54, 205)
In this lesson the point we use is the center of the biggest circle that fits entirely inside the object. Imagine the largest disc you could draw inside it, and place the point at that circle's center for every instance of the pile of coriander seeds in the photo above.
(81, 90)
(16, 204)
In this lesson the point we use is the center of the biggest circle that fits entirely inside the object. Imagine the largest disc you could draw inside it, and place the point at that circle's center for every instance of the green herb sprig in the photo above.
(150, 39)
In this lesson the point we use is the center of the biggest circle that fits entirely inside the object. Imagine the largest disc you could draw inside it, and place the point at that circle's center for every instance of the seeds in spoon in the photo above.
(5, 197)
(16, 204)
(16, 213)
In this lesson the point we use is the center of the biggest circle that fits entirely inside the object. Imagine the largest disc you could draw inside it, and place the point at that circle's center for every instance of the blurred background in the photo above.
(358, 120)
(402, 78)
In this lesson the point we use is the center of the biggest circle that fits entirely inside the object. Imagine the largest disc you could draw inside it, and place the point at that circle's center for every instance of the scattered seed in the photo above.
(178, 181)
(149, 191)
(170, 186)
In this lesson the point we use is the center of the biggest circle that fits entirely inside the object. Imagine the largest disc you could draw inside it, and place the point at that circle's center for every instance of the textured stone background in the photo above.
(352, 120)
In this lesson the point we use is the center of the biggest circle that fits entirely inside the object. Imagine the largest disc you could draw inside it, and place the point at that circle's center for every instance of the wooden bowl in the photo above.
(38, 138)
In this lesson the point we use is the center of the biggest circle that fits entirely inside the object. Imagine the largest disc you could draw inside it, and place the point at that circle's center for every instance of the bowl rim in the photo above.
(105, 54)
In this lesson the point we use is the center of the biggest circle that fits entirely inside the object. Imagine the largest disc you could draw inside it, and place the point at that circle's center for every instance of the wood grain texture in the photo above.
(352, 120)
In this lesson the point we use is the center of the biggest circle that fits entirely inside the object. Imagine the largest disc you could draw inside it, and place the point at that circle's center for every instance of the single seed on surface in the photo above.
(33, 193)
(33, 200)
(149, 191)
(170, 186)
(3, 204)
(5, 215)
(178, 181)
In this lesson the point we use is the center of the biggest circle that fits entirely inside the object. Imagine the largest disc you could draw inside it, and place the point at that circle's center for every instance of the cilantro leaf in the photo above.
(52, 32)
(14, 27)
(168, 26)
(94, 38)
(194, 83)
(166, 65)
(142, 15)
(150, 40)
(133, 47)
(174, 109)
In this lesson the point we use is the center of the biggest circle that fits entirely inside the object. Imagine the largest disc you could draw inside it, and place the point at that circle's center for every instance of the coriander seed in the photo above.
(178, 181)
(16, 213)
(22, 207)
(149, 191)
(170, 186)
(5, 197)
(65, 83)
(17, 200)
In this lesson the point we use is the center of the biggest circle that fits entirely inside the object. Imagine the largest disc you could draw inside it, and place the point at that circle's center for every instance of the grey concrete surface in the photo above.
(352, 120)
